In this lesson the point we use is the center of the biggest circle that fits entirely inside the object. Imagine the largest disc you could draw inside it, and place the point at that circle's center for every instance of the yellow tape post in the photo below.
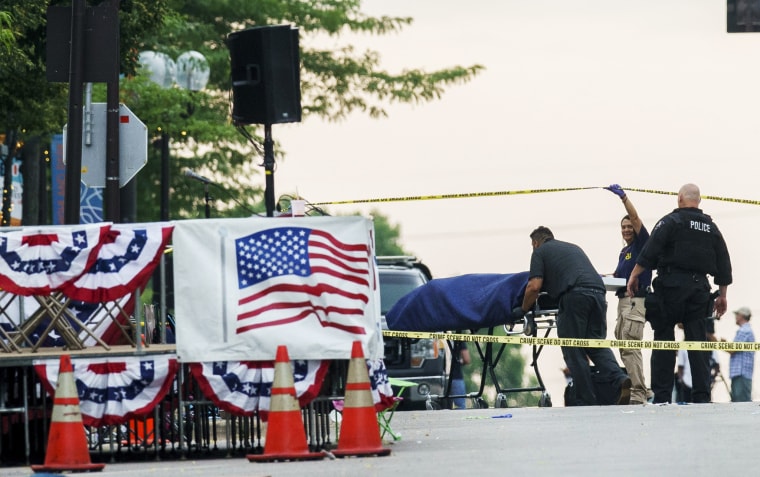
(580, 343)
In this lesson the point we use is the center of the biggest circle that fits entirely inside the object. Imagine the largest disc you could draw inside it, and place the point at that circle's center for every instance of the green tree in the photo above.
(334, 83)
(31, 107)
(6, 35)
(30, 103)
(387, 236)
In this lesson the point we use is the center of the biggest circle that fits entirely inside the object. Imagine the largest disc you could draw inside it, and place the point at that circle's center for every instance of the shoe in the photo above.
(633, 402)
(625, 392)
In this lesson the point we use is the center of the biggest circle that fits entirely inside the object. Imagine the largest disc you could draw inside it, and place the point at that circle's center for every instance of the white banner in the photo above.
(243, 287)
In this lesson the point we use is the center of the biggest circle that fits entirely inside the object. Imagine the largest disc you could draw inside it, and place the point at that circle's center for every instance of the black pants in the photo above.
(685, 299)
(583, 315)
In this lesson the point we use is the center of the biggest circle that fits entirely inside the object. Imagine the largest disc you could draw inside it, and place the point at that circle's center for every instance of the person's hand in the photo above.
(721, 305)
(517, 314)
(616, 189)
(632, 286)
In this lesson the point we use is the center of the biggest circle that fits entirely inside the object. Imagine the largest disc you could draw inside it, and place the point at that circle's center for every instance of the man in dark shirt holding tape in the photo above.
(684, 247)
(566, 274)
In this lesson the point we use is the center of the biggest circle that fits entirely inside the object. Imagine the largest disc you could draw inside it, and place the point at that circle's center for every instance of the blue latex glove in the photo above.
(617, 190)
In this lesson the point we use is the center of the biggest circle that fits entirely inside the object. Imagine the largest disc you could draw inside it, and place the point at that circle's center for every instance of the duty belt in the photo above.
(585, 289)
(683, 271)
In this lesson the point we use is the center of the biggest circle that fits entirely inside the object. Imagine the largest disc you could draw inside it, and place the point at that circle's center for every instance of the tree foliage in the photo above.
(334, 83)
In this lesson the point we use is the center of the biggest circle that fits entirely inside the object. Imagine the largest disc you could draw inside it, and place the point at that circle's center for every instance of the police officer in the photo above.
(684, 247)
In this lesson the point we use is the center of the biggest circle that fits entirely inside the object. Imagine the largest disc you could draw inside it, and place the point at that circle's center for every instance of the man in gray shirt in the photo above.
(565, 273)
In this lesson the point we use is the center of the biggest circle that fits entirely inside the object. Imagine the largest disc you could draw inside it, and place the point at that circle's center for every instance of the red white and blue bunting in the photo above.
(39, 261)
(243, 387)
(93, 263)
(114, 390)
(125, 262)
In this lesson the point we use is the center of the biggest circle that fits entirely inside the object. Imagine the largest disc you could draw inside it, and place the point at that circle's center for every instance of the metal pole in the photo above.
(165, 176)
(207, 198)
(7, 154)
(269, 169)
(112, 194)
(74, 137)
(113, 180)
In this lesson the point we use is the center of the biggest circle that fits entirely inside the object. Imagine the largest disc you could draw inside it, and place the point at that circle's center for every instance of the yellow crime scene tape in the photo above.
(453, 196)
(580, 343)
(468, 195)
(586, 343)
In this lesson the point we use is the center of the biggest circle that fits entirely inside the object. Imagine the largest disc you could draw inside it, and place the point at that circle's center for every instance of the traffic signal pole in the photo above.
(74, 140)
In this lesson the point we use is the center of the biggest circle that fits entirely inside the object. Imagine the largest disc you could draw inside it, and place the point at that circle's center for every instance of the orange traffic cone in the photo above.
(67, 442)
(286, 436)
(359, 433)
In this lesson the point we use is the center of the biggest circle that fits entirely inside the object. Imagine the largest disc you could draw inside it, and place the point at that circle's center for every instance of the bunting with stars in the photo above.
(125, 262)
(114, 390)
(244, 387)
(38, 261)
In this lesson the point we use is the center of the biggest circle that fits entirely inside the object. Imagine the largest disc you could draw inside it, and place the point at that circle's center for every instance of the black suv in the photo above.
(422, 361)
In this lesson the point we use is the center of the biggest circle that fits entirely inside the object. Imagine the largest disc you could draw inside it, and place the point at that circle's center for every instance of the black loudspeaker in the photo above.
(266, 78)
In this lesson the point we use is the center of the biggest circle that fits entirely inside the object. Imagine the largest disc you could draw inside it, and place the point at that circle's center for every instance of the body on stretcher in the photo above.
(542, 319)
(479, 302)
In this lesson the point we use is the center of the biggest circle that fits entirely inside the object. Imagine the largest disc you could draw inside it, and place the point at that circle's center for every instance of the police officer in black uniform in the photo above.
(684, 247)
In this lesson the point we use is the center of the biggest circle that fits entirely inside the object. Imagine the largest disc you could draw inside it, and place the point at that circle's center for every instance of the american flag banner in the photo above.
(125, 262)
(38, 261)
(250, 285)
(114, 390)
(287, 274)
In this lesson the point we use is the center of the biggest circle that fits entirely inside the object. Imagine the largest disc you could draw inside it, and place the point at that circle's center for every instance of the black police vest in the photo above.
(693, 246)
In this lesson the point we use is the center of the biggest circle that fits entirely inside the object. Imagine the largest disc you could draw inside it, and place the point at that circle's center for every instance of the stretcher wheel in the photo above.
(501, 400)
(545, 400)
(431, 405)
(482, 404)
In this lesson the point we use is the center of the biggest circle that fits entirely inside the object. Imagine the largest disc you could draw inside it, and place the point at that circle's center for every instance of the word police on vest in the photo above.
(198, 177)
(701, 226)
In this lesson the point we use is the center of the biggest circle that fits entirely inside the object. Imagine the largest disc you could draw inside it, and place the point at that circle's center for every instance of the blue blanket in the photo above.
(466, 302)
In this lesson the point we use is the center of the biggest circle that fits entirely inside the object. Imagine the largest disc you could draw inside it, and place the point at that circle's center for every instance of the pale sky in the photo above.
(581, 93)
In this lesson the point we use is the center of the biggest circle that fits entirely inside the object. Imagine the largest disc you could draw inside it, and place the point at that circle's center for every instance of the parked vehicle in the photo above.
(421, 361)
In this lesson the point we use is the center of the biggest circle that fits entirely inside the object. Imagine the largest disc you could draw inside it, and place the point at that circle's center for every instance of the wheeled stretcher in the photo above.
(544, 320)
(477, 302)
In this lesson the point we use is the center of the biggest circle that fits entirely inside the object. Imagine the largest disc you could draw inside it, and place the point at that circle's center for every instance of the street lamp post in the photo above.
(191, 72)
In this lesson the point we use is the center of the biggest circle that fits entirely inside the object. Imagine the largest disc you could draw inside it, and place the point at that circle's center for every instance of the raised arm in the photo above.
(633, 215)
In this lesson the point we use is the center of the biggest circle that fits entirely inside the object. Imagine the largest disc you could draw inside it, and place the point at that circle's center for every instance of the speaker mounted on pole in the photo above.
(265, 73)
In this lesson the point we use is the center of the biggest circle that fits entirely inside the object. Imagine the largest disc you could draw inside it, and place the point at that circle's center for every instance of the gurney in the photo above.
(477, 302)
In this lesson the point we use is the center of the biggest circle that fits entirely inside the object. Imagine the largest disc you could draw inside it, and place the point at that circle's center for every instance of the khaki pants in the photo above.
(630, 326)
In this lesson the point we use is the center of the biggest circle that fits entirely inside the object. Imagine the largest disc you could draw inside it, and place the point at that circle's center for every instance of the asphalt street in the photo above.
(669, 440)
